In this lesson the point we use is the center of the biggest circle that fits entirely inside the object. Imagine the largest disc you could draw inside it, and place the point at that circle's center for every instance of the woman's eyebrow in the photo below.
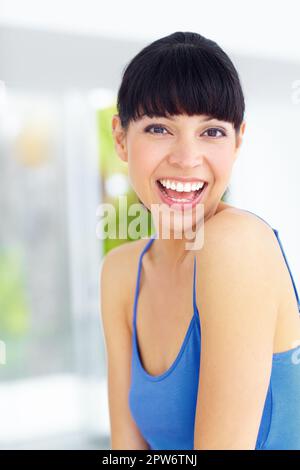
(174, 118)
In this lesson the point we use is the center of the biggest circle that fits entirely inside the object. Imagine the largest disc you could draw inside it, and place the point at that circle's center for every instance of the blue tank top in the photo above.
(164, 406)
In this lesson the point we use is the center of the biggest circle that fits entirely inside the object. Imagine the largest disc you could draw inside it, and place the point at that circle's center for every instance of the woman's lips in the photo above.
(180, 205)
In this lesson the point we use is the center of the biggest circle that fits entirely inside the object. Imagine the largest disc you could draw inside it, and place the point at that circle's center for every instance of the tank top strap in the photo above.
(245, 210)
(289, 269)
(137, 287)
(196, 311)
(284, 256)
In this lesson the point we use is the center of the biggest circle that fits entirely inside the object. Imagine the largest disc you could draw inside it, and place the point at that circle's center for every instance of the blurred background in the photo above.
(60, 68)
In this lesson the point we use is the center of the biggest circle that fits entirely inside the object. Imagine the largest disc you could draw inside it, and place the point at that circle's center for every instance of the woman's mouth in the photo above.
(181, 193)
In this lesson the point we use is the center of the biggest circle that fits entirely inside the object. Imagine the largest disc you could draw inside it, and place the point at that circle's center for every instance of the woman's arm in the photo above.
(238, 299)
(113, 280)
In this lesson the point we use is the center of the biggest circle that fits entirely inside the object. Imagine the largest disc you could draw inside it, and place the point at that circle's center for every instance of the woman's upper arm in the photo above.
(238, 298)
(124, 432)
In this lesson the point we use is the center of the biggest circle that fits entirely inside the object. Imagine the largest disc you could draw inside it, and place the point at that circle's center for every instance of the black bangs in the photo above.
(183, 73)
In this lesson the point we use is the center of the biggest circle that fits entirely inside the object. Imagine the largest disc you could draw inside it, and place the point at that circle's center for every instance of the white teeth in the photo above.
(182, 187)
(176, 199)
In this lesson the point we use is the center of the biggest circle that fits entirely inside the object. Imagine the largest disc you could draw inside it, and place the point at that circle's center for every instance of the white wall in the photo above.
(265, 28)
(266, 175)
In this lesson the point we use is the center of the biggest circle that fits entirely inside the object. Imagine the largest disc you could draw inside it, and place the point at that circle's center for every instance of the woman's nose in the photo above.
(186, 155)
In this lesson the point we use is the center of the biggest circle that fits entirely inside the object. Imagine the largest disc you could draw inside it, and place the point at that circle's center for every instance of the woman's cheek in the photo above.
(138, 176)
(133, 177)
(221, 164)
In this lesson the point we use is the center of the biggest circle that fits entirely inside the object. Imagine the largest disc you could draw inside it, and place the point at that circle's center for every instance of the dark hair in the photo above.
(183, 73)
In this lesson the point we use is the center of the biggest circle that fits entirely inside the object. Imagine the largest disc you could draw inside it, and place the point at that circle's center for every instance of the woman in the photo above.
(228, 308)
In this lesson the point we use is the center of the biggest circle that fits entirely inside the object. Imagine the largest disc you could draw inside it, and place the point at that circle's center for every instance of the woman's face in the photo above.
(177, 148)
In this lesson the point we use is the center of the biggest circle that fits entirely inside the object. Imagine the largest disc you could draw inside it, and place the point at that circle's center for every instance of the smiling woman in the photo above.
(180, 103)
(195, 362)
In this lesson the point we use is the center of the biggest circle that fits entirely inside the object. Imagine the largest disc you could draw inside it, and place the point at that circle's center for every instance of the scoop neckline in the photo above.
(170, 369)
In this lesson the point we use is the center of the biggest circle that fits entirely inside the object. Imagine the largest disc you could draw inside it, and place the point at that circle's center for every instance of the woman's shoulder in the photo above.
(232, 213)
(117, 276)
(232, 223)
(126, 253)
(120, 263)
(241, 242)
(238, 282)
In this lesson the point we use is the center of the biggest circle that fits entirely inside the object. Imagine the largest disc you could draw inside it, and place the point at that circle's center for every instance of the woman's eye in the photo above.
(154, 127)
(215, 129)
(158, 129)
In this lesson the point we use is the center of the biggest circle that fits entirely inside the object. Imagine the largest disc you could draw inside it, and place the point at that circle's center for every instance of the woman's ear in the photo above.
(239, 138)
(119, 137)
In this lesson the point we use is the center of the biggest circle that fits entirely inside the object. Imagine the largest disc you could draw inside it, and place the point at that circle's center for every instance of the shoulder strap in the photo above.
(284, 256)
(289, 269)
(137, 287)
(196, 311)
